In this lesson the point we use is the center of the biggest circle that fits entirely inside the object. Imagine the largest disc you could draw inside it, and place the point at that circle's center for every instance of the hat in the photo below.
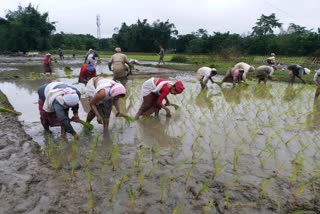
(179, 87)
(117, 89)
(318, 72)
(90, 68)
(117, 49)
(70, 97)
(307, 71)
(48, 54)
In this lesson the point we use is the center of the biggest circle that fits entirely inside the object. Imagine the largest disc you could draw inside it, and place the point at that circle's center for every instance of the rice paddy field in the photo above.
(248, 149)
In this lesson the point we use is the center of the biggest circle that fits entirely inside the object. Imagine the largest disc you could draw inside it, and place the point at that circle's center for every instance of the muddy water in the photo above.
(256, 144)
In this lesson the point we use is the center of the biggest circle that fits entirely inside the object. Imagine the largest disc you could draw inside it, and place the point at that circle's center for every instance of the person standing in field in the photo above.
(246, 69)
(86, 73)
(204, 74)
(263, 73)
(117, 65)
(60, 53)
(55, 100)
(103, 94)
(154, 91)
(47, 64)
(91, 57)
(161, 54)
(234, 76)
(316, 80)
(298, 71)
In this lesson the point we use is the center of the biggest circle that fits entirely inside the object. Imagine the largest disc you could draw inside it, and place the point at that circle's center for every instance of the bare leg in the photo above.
(90, 116)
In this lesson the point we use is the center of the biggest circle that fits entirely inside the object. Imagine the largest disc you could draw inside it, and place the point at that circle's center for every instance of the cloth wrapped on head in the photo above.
(307, 71)
(318, 72)
(117, 89)
(70, 97)
(90, 67)
(179, 87)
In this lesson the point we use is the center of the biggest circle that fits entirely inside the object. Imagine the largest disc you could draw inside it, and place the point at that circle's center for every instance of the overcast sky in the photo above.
(236, 16)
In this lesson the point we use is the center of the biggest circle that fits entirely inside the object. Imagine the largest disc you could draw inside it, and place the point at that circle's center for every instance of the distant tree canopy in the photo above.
(27, 29)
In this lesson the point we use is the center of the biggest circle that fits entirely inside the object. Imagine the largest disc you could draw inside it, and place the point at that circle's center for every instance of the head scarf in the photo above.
(179, 87)
(117, 89)
(70, 97)
(90, 68)
(318, 72)
(307, 71)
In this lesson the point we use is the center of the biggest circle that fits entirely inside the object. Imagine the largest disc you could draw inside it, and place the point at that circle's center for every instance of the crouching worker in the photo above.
(297, 71)
(246, 69)
(204, 74)
(316, 80)
(154, 91)
(86, 73)
(263, 73)
(233, 76)
(103, 94)
(55, 100)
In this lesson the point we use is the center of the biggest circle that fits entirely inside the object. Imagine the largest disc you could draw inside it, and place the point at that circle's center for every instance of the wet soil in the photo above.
(185, 164)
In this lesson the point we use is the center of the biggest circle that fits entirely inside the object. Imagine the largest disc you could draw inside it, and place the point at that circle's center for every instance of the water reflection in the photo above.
(262, 91)
(153, 130)
(204, 99)
(313, 117)
(233, 95)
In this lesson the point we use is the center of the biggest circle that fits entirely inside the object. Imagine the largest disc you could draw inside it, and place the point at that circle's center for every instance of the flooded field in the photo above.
(252, 149)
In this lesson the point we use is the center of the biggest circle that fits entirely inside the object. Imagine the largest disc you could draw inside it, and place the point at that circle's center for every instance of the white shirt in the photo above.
(204, 72)
(243, 66)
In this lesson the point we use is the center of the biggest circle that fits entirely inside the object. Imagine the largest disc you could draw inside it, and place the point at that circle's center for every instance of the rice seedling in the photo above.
(131, 197)
(117, 186)
(194, 162)
(236, 156)
(178, 209)
(155, 150)
(204, 187)
(104, 166)
(141, 182)
(298, 191)
(87, 125)
(154, 167)
(90, 192)
(114, 156)
(139, 158)
(182, 162)
(226, 199)
(263, 186)
(206, 209)
(163, 187)
(280, 167)
(129, 119)
(92, 152)
(6, 110)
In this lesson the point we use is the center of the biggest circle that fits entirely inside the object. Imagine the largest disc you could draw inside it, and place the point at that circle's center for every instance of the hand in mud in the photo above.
(168, 112)
(100, 120)
(75, 118)
(75, 136)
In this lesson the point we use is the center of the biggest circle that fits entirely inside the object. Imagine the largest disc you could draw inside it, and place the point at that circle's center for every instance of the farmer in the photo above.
(54, 102)
(59, 51)
(263, 73)
(272, 59)
(316, 80)
(117, 65)
(132, 62)
(161, 54)
(103, 94)
(91, 57)
(245, 67)
(47, 64)
(296, 70)
(234, 76)
(86, 73)
(204, 74)
(154, 91)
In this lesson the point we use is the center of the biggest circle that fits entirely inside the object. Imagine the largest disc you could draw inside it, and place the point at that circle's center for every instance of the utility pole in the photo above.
(98, 27)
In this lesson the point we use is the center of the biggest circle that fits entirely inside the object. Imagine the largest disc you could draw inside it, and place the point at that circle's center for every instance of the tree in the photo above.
(266, 24)
(27, 29)
(293, 28)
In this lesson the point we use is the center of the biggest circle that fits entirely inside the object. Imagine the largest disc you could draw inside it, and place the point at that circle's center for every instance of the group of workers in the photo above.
(238, 73)
(56, 98)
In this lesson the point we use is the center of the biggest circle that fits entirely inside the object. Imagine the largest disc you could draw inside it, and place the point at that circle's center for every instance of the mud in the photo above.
(243, 150)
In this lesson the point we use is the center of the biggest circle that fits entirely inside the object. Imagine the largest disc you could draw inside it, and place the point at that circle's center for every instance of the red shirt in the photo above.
(85, 75)
(165, 90)
(46, 60)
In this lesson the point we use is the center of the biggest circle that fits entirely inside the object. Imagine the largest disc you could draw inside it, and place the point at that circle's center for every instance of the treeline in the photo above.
(27, 29)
